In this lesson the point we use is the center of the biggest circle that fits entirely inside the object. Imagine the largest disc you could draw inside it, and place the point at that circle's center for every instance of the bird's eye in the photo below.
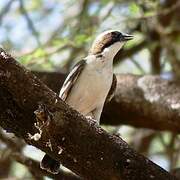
(116, 34)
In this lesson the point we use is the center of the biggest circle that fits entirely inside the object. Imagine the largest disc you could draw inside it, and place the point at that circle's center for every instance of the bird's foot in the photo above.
(92, 120)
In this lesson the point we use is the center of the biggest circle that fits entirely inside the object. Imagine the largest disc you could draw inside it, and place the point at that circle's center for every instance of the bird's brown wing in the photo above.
(71, 79)
(112, 89)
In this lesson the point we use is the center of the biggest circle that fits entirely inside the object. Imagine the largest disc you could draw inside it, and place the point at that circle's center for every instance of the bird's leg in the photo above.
(95, 115)
(91, 117)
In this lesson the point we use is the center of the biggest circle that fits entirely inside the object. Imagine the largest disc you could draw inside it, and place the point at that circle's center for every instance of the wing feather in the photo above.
(112, 89)
(71, 79)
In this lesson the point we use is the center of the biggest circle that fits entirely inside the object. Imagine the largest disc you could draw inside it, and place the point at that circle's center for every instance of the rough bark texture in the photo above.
(54, 80)
(141, 101)
(147, 101)
(63, 133)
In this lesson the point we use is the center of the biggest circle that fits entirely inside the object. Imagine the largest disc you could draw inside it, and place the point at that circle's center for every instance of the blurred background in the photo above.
(52, 35)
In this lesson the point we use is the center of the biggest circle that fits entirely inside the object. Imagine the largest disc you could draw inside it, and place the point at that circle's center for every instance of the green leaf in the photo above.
(134, 8)
(59, 41)
(80, 39)
(25, 59)
(104, 2)
(39, 53)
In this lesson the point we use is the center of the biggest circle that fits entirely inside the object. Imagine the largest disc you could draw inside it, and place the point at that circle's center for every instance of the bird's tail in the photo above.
(49, 164)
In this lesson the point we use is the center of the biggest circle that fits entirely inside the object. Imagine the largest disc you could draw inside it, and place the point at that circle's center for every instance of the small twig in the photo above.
(5, 9)
(29, 22)
(138, 66)
(171, 151)
(16, 146)
(158, 13)
(110, 8)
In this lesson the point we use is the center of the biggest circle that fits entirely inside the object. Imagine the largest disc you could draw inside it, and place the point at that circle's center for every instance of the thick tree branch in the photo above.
(147, 102)
(63, 133)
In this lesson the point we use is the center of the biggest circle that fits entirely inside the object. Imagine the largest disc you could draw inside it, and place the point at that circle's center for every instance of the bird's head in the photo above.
(109, 42)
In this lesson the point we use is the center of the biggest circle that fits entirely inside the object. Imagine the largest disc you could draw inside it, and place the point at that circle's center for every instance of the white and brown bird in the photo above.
(91, 82)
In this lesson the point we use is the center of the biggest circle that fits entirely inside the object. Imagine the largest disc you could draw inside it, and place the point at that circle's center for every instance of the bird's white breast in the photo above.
(92, 87)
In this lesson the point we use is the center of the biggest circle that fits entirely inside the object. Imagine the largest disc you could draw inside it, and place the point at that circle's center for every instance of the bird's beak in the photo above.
(126, 37)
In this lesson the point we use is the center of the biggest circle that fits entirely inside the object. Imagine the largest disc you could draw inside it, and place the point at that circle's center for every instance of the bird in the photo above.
(91, 82)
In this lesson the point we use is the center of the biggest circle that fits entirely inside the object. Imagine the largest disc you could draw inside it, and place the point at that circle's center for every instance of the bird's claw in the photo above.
(92, 120)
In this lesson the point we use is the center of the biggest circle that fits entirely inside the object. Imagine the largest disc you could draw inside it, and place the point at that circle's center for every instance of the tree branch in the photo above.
(145, 101)
(5, 9)
(29, 22)
(12, 144)
(141, 101)
(34, 167)
(63, 133)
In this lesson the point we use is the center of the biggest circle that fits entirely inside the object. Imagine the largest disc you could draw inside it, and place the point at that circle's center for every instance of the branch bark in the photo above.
(63, 133)
(145, 101)
(141, 101)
